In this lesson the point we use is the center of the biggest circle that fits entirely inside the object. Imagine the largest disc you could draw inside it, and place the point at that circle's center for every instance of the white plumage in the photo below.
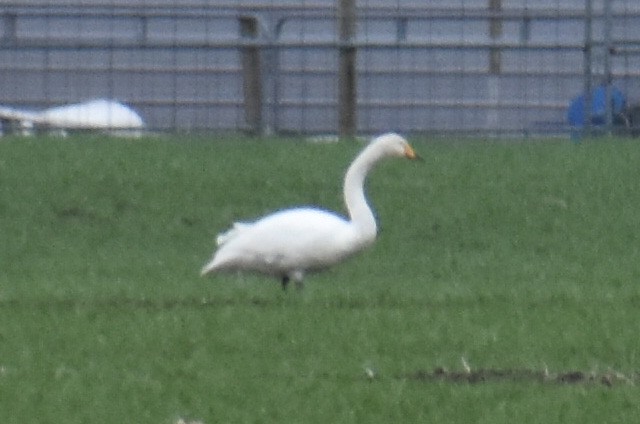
(292, 242)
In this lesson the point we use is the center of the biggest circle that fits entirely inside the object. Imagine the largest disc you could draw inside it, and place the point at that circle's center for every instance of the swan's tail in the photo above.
(219, 262)
(208, 268)
(221, 239)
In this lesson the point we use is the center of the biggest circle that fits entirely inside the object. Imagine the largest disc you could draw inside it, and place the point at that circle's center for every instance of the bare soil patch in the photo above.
(487, 375)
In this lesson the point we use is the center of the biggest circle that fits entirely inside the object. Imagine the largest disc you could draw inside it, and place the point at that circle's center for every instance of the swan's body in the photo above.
(289, 243)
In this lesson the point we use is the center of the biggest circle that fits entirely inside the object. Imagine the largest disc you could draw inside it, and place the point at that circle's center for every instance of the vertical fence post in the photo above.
(495, 32)
(251, 75)
(347, 81)
(495, 65)
(9, 23)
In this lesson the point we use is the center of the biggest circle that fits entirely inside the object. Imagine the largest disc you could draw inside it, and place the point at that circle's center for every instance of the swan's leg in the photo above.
(285, 282)
(298, 277)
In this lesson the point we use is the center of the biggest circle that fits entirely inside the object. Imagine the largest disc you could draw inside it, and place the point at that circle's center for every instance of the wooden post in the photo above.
(347, 81)
(9, 34)
(495, 32)
(251, 75)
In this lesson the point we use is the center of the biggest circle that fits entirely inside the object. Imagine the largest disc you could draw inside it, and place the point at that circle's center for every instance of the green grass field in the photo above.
(503, 256)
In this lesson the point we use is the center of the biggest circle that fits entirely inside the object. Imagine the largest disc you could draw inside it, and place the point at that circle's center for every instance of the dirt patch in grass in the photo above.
(488, 375)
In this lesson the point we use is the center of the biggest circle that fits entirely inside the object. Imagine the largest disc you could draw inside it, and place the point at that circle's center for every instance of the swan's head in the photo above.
(392, 144)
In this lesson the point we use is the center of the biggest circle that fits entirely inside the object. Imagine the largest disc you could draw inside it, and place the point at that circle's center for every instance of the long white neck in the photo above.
(362, 217)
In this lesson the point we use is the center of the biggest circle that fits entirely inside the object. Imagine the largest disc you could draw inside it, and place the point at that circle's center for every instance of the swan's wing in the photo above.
(289, 240)
(302, 237)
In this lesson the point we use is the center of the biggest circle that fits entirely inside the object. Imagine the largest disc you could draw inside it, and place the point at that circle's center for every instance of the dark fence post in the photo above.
(251, 75)
(495, 32)
(347, 80)
(9, 33)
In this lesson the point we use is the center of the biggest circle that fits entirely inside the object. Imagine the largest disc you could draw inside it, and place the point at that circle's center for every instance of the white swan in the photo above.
(292, 242)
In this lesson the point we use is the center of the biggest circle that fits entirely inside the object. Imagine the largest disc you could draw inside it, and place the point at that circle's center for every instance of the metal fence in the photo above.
(473, 67)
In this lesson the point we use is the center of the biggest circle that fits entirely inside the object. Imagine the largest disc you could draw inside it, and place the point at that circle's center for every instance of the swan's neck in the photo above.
(362, 217)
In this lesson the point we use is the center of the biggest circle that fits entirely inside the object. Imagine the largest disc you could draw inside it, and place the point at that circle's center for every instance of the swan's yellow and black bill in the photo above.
(410, 153)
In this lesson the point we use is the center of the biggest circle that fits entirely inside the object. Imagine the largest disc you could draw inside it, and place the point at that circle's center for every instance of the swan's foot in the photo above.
(285, 282)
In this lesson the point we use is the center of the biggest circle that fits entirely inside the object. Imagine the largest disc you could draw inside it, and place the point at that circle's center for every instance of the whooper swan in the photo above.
(293, 242)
